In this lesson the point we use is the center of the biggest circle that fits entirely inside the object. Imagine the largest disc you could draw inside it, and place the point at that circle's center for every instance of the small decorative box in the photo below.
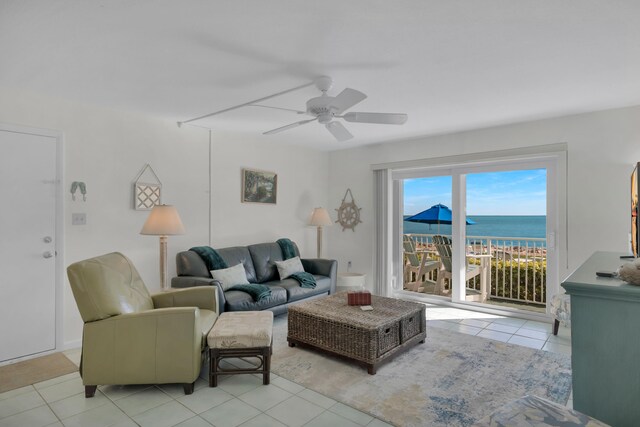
(359, 298)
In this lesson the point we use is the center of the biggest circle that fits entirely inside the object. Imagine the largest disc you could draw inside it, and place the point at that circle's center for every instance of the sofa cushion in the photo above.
(295, 292)
(264, 256)
(229, 277)
(236, 255)
(189, 263)
(242, 301)
(248, 329)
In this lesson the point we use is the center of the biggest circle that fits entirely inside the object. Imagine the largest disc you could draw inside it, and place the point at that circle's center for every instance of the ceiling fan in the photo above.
(325, 109)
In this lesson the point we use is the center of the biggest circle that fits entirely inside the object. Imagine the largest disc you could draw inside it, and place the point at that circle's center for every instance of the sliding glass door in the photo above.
(506, 242)
(478, 234)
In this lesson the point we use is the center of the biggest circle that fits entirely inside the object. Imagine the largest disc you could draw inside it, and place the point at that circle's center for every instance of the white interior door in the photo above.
(27, 244)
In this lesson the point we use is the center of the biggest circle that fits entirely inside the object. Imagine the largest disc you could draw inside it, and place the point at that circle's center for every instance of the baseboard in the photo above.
(27, 357)
(71, 345)
(66, 346)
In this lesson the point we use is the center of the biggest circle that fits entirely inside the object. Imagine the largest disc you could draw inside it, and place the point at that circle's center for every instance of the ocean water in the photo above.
(489, 225)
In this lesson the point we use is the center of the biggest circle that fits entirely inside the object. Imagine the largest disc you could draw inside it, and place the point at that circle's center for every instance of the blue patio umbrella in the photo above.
(436, 214)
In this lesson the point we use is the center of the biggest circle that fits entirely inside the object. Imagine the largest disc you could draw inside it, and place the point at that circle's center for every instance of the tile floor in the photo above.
(239, 400)
(527, 333)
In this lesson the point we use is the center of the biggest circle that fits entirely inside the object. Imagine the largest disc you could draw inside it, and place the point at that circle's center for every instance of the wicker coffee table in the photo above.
(367, 337)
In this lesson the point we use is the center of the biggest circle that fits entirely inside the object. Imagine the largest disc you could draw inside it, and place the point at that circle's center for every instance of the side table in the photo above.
(350, 281)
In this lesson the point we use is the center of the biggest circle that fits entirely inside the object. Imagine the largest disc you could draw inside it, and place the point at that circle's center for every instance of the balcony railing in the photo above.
(518, 266)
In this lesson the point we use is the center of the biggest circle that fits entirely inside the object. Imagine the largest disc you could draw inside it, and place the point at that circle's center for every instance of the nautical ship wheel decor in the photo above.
(348, 212)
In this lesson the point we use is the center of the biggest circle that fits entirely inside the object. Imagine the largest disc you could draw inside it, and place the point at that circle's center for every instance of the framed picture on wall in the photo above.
(259, 186)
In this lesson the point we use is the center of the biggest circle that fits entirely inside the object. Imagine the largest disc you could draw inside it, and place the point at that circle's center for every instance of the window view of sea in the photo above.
(533, 226)
(506, 212)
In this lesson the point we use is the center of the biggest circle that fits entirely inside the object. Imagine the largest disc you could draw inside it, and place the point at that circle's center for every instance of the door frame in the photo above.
(554, 155)
(59, 230)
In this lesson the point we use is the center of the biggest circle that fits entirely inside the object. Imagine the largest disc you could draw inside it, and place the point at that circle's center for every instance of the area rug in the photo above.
(453, 379)
(35, 370)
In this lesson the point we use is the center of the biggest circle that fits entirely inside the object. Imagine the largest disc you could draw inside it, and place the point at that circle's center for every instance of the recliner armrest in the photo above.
(153, 346)
(201, 297)
(323, 267)
(193, 281)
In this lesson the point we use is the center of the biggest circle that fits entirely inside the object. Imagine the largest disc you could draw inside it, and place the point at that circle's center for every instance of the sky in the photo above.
(491, 193)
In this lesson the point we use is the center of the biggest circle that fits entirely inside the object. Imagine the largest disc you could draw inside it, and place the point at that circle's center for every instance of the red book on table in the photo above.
(359, 298)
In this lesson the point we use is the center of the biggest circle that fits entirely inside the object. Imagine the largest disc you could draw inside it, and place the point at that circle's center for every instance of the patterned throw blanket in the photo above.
(305, 279)
(214, 261)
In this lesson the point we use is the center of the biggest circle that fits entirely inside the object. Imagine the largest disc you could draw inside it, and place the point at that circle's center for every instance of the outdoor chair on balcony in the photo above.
(443, 246)
(416, 268)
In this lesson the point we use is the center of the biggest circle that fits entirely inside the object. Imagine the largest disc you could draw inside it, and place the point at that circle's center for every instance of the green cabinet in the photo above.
(605, 342)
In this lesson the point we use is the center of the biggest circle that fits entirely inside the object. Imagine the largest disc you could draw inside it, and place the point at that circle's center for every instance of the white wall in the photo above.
(107, 149)
(302, 185)
(602, 149)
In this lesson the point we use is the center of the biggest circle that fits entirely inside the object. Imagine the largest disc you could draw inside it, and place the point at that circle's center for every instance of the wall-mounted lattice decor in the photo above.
(146, 195)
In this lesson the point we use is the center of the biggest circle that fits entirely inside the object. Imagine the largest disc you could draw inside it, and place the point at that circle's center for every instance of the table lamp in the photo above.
(319, 218)
(163, 221)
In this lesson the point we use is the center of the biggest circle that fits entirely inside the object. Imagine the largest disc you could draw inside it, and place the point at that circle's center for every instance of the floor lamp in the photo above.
(319, 218)
(163, 221)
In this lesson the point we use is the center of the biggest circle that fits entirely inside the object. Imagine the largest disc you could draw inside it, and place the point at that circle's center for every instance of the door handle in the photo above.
(47, 239)
(551, 240)
(47, 254)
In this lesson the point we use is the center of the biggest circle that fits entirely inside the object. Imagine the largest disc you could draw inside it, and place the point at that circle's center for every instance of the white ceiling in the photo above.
(451, 65)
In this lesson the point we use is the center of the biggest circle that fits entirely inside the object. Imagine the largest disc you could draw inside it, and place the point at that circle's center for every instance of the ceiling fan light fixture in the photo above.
(325, 118)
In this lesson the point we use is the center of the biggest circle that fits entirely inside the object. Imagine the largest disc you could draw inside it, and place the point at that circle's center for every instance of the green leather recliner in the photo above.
(132, 337)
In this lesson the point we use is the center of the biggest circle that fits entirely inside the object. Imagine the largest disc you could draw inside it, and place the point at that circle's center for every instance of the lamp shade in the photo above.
(320, 217)
(163, 220)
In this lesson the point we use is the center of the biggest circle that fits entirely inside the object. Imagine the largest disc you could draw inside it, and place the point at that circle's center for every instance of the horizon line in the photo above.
(493, 215)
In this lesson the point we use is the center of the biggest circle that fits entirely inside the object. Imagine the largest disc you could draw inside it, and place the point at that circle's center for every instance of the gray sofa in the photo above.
(258, 261)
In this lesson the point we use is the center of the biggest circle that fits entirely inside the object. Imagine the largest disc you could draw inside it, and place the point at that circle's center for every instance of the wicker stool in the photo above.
(241, 334)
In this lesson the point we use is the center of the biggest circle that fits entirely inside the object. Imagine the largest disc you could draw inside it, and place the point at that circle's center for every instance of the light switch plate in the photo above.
(78, 219)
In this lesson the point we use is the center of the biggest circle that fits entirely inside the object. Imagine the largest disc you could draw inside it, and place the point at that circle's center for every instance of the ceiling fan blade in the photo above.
(291, 126)
(339, 131)
(347, 99)
(380, 118)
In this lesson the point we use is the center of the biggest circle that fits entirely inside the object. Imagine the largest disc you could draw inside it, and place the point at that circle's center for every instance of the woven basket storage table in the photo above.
(367, 337)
